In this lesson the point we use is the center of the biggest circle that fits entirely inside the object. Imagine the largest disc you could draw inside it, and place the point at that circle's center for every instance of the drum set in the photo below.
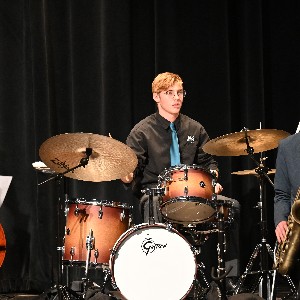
(149, 260)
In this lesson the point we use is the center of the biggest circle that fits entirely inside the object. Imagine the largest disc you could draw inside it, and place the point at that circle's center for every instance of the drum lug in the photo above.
(96, 255)
(100, 214)
(112, 252)
(72, 252)
(66, 211)
(195, 250)
(186, 191)
(68, 231)
(122, 215)
(186, 174)
(202, 184)
(169, 227)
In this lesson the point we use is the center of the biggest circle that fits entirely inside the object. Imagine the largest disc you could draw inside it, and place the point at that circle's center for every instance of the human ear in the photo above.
(156, 97)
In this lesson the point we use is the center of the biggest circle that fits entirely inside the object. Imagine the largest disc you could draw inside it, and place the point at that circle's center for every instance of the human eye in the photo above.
(169, 93)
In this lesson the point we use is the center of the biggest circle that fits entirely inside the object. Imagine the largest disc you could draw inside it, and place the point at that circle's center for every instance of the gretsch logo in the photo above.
(149, 246)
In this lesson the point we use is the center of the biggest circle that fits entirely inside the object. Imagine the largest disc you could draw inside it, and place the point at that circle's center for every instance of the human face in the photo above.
(169, 102)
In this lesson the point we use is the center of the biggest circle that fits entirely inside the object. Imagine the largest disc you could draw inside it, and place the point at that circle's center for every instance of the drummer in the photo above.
(155, 144)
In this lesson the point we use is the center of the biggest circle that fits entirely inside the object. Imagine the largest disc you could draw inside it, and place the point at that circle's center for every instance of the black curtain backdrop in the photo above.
(87, 66)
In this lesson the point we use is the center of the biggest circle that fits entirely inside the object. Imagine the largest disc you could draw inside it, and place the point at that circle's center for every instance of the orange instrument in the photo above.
(2, 245)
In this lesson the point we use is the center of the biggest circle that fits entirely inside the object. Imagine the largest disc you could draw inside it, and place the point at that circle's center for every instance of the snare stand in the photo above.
(62, 291)
(152, 192)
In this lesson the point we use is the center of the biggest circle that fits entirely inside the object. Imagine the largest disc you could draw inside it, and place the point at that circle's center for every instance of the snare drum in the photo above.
(153, 262)
(188, 194)
(107, 220)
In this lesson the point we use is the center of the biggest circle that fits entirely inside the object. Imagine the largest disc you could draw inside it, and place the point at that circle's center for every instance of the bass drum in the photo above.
(153, 262)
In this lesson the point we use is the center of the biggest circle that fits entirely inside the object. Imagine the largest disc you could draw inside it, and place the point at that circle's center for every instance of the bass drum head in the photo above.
(153, 262)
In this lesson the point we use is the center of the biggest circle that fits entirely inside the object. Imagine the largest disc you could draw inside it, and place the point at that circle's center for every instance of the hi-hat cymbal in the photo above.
(252, 172)
(234, 144)
(109, 159)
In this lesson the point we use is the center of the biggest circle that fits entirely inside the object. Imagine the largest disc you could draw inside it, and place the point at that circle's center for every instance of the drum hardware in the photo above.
(100, 213)
(96, 255)
(151, 192)
(90, 245)
(63, 291)
(220, 277)
(248, 142)
(263, 249)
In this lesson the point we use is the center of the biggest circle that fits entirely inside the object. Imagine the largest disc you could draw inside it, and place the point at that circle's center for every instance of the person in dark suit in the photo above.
(286, 182)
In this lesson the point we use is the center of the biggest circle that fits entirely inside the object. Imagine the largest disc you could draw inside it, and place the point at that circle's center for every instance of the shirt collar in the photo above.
(165, 123)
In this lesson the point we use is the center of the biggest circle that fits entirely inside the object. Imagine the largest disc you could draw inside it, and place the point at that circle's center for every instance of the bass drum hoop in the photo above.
(136, 228)
(96, 202)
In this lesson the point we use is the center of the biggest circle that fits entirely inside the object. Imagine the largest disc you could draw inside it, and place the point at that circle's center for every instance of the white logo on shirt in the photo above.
(191, 138)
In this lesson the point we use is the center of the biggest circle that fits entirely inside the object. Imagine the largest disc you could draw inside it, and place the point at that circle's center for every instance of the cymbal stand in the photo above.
(263, 248)
(90, 245)
(62, 291)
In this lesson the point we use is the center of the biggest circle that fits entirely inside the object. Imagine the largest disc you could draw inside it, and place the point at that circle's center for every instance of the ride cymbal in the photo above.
(252, 172)
(234, 144)
(109, 159)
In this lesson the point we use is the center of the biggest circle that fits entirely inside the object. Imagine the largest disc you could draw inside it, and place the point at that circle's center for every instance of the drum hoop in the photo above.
(169, 171)
(79, 263)
(166, 226)
(189, 199)
(186, 199)
(96, 202)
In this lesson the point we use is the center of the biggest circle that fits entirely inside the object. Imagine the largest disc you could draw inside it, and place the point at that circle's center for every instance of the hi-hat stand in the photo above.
(64, 292)
(263, 249)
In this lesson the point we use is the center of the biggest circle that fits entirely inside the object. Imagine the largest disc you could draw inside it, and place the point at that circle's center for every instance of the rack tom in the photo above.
(187, 195)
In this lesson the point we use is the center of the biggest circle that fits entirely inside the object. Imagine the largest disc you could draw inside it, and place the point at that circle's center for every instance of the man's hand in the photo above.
(218, 188)
(128, 178)
(280, 231)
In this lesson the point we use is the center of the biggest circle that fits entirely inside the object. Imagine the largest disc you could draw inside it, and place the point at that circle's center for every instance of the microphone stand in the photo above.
(62, 291)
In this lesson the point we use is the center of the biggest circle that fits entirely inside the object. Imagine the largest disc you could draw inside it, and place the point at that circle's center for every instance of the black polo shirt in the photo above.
(151, 139)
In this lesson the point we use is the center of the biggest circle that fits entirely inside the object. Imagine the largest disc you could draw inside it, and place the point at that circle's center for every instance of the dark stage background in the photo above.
(87, 66)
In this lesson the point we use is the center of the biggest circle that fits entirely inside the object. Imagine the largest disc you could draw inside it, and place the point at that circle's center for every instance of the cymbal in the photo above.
(234, 144)
(109, 159)
(252, 172)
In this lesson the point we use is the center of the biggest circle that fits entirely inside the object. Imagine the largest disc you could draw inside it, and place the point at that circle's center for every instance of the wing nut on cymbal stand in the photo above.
(83, 162)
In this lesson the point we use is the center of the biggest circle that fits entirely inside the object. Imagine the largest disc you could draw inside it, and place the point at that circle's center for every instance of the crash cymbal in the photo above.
(252, 172)
(109, 159)
(234, 144)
